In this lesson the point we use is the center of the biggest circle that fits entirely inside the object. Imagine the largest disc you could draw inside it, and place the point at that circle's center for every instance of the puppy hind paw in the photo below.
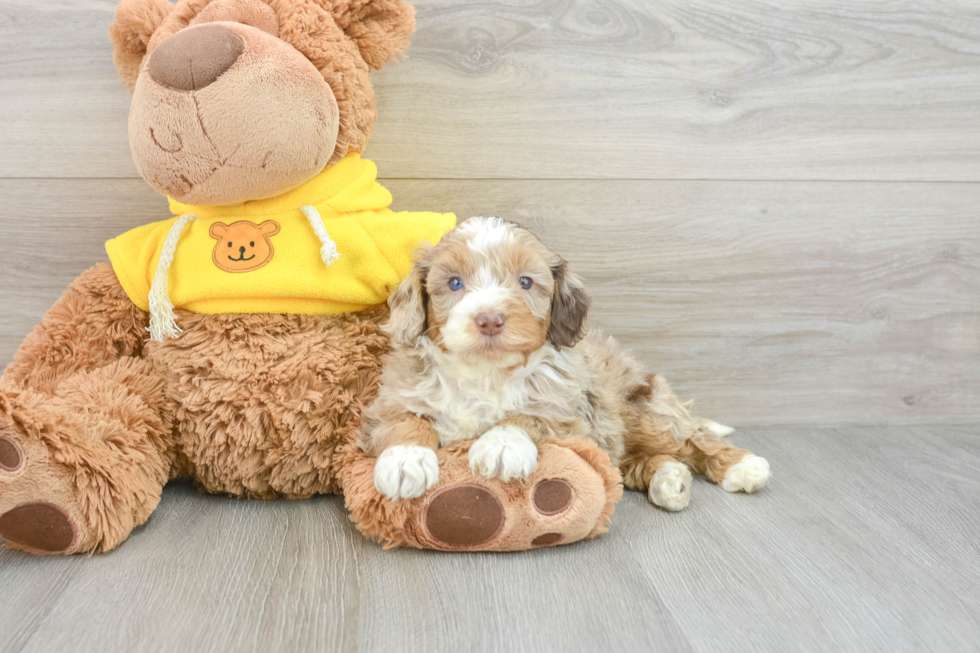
(406, 471)
(721, 430)
(748, 475)
(505, 453)
(670, 487)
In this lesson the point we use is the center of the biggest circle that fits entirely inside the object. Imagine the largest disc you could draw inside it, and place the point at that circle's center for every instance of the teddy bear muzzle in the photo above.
(224, 113)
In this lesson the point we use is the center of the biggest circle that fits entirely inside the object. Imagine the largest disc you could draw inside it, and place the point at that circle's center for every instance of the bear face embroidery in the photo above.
(243, 246)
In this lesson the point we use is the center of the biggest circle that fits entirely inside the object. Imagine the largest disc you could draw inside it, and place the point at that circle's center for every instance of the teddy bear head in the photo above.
(237, 100)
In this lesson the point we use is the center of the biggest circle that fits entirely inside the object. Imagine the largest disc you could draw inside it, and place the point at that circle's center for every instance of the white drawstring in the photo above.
(328, 248)
(163, 321)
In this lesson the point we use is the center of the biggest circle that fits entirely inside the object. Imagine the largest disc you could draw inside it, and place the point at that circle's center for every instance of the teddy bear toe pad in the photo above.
(10, 456)
(552, 496)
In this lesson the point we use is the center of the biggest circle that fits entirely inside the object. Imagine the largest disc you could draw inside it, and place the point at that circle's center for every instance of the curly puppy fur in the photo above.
(490, 343)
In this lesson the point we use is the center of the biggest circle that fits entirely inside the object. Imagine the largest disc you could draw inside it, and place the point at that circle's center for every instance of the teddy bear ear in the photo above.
(136, 21)
(382, 29)
(269, 228)
(218, 230)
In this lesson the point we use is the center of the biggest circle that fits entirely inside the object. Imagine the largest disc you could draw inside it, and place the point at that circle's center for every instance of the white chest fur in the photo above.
(463, 402)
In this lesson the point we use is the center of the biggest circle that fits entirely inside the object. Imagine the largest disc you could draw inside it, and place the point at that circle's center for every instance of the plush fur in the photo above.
(95, 417)
(136, 22)
(491, 344)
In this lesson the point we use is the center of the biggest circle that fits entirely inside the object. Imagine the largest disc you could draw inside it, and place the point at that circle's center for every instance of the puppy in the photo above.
(489, 342)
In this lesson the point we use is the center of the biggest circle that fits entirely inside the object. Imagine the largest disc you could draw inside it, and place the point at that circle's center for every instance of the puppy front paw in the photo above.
(406, 471)
(504, 452)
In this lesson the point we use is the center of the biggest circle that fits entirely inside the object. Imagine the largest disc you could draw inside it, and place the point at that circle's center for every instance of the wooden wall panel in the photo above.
(617, 89)
(758, 193)
(768, 302)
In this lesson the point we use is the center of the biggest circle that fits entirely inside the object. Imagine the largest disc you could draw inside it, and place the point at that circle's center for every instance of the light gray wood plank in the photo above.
(639, 89)
(865, 541)
(768, 303)
(841, 553)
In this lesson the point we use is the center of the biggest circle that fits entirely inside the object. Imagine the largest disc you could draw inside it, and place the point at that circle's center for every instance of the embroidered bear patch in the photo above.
(243, 246)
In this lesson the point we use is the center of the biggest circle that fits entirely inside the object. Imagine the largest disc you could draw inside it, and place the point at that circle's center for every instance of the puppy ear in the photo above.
(569, 306)
(409, 313)
(136, 21)
(381, 29)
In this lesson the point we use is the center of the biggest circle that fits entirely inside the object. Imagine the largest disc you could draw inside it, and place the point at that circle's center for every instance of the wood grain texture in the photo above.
(769, 303)
(865, 541)
(607, 89)
(777, 299)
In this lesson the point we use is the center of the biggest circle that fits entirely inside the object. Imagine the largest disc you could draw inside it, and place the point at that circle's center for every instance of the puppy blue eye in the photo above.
(526, 283)
(455, 284)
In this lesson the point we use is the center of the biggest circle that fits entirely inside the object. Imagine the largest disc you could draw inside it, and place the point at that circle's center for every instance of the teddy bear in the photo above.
(238, 341)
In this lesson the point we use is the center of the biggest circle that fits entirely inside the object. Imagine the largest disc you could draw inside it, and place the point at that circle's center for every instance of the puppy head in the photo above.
(489, 292)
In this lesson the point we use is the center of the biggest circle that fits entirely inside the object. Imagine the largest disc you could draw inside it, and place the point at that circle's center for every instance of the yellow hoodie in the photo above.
(275, 255)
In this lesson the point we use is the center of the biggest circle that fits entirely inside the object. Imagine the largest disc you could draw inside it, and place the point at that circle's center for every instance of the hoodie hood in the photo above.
(348, 186)
(330, 246)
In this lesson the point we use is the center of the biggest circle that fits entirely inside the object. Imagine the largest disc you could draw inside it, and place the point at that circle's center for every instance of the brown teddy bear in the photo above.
(238, 342)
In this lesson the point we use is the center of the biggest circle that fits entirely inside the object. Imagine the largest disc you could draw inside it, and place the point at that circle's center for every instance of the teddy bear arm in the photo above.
(93, 324)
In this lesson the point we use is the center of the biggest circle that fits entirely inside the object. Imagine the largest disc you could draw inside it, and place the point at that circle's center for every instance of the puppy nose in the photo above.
(490, 324)
(195, 57)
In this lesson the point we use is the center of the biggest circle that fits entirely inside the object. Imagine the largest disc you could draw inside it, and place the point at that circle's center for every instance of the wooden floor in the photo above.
(867, 540)
(775, 203)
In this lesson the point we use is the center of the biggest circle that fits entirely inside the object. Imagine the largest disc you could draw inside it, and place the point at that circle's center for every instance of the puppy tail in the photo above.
(720, 430)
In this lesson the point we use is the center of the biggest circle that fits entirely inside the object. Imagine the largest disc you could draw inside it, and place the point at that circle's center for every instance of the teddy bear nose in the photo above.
(195, 57)
(490, 324)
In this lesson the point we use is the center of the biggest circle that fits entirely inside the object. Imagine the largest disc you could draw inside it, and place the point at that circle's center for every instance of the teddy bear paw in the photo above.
(563, 499)
(468, 515)
(35, 500)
